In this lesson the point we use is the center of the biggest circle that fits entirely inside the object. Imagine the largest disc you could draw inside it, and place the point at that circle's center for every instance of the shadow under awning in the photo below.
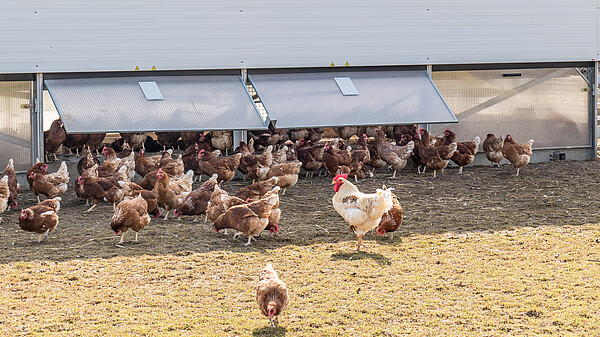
(177, 103)
(322, 99)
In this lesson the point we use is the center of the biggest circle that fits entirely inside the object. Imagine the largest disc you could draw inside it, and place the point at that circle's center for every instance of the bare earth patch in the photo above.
(485, 253)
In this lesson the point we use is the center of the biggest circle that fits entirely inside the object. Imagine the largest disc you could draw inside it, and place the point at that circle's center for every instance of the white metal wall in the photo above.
(118, 35)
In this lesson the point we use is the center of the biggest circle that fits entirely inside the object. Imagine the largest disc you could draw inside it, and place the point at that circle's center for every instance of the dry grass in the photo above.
(481, 254)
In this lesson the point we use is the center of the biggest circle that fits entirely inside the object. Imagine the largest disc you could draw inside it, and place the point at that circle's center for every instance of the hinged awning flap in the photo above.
(189, 103)
(314, 99)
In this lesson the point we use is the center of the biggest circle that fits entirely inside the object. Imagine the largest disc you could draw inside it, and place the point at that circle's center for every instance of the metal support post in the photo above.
(239, 135)
(37, 119)
(593, 80)
(427, 127)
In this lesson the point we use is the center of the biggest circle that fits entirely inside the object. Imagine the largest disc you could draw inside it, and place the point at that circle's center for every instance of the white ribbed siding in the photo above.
(118, 35)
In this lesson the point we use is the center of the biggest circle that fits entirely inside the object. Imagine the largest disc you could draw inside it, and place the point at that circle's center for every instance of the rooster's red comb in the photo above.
(345, 176)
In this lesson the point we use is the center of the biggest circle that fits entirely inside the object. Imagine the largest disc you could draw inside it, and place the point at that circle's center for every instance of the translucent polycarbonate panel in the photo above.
(15, 125)
(191, 103)
(313, 99)
(547, 105)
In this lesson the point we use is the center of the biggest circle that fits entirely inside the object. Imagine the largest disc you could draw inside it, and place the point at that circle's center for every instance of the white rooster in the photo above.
(362, 211)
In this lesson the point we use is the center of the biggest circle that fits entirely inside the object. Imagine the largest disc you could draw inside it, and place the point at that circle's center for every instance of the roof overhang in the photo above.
(347, 98)
(175, 103)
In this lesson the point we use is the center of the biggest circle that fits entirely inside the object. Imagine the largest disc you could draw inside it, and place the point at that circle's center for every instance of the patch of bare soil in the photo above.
(482, 199)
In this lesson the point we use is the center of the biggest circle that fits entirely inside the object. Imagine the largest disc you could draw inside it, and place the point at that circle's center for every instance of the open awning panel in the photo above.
(321, 99)
(154, 103)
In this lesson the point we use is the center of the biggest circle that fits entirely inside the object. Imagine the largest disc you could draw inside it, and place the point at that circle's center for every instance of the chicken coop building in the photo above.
(527, 68)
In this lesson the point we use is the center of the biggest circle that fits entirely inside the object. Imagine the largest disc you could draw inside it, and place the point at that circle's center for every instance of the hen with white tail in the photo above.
(361, 211)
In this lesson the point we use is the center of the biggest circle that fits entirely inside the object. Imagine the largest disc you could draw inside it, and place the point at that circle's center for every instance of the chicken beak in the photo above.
(333, 182)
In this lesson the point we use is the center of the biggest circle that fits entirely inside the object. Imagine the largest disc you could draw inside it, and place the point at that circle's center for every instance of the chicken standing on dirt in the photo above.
(518, 154)
(144, 165)
(13, 186)
(393, 155)
(361, 211)
(132, 190)
(99, 190)
(434, 157)
(271, 294)
(222, 140)
(197, 201)
(219, 202)
(4, 194)
(492, 146)
(391, 220)
(286, 174)
(250, 219)
(42, 218)
(75, 141)
(311, 157)
(224, 167)
(256, 190)
(172, 193)
(54, 137)
(130, 214)
(465, 151)
(51, 185)
(86, 160)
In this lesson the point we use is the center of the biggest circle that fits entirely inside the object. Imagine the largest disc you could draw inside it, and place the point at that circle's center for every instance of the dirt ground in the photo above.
(482, 202)
(482, 199)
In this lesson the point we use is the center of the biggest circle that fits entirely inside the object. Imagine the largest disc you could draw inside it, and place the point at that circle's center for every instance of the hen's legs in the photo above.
(460, 170)
(91, 208)
(136, 240)
(249, 241)
(43, 236)
(360, 237)
(122, 236)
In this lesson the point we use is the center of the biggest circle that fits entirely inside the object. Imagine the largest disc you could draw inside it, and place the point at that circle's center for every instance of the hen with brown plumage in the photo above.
(51, 185)
(250, 219)
(224, 167)
(42, 218)
(130, 214)
(391, 220)
(518, 154)
(395, 156)
(13, 186)
(197, 201)
(54, 137)
(465, 151)
(271, 294)
(492, 146)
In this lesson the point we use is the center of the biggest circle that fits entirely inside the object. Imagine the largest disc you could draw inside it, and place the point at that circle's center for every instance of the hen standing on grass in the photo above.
(362, 211)
(271, 294)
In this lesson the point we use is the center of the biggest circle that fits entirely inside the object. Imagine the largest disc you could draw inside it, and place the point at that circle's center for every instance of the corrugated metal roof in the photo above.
(191, 103)
(298, 100)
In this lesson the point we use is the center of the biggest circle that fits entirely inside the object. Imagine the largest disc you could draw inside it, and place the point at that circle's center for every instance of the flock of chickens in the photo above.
(167, 183)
